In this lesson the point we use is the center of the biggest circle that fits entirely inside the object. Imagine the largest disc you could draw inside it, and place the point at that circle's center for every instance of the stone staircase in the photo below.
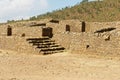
(46, 45)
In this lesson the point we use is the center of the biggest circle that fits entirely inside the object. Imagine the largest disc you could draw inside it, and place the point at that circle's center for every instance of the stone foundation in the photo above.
(79, 37)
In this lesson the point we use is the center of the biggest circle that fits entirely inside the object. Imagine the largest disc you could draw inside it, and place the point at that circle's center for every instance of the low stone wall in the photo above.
(64, 39)
(55, 26)
(19, 31)
(3, 30)
(75, 26)
(75, 41)
(94, 26)
(87, 42)
(28, 31)
(17, 44)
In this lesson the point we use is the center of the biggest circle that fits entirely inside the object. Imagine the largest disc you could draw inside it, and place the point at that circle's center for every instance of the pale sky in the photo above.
(18, 9)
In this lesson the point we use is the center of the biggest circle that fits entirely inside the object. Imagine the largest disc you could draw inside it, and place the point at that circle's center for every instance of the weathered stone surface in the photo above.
(76, 41)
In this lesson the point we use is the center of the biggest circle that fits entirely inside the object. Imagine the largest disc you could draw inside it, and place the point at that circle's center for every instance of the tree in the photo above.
(99, 0)
(84, 1)
(33, 18)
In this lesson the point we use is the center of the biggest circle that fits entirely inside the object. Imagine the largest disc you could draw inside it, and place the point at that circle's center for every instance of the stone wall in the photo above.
(64, 39)
(75, 26)
(3, 30)
(55, 26)
(94, 26)
(87, 42)
(19, 31)
(28, 31)
(17, 44)
(74, 40)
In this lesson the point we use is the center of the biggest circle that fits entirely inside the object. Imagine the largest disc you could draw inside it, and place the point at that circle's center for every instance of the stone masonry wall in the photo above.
(17, 44)
(18, 31)
(64, 39)
(75, 26)
(28, 31)
(87, 42)
(75, 40)
(94, 26)
(55, 27)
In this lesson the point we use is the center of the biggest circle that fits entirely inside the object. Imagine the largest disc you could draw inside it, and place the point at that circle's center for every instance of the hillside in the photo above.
(107, 10)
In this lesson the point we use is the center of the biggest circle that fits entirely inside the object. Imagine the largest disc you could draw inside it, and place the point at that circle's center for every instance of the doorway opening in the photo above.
(47, 32)
(9, 31)
(83, 26)
(68, 28)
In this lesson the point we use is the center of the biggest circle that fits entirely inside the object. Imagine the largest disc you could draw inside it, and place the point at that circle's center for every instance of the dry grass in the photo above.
(106, 10)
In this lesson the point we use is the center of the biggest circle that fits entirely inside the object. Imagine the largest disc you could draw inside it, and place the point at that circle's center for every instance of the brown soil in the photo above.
(62, 66)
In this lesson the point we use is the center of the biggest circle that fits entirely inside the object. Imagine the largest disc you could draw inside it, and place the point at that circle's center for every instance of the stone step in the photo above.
(47, 46)
(53, 49)
(50, 47)
(56, 45)
(37, 44)
(46, 38)
(41, 41)
(51, 52)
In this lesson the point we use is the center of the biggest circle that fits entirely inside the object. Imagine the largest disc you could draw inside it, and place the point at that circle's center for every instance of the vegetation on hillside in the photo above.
(106, 10)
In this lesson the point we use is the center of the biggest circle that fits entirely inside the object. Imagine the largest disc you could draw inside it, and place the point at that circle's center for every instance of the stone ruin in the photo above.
(55, 36)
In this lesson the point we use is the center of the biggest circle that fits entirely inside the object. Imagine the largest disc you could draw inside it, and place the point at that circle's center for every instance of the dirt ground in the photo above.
(62, 66)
